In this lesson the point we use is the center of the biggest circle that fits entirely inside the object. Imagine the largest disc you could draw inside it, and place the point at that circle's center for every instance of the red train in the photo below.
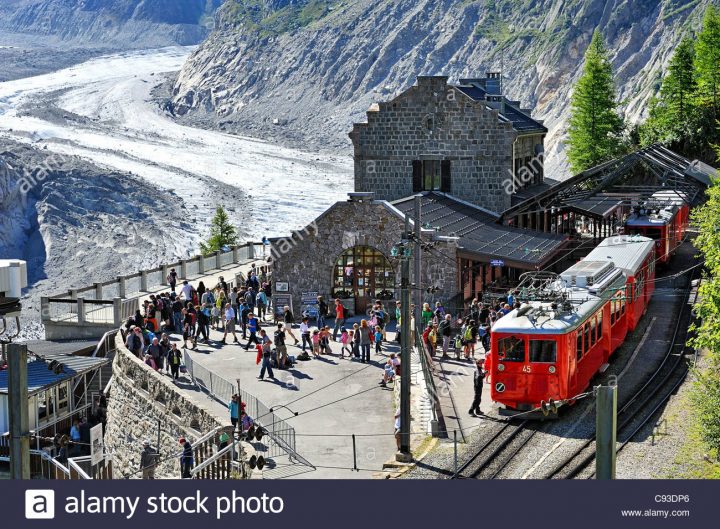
(664, 219)
(570, 324)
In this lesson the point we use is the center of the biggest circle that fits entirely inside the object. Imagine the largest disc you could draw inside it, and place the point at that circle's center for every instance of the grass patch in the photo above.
(253, 15)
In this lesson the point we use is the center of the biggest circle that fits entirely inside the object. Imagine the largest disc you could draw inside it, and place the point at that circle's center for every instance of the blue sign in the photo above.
(497, 262)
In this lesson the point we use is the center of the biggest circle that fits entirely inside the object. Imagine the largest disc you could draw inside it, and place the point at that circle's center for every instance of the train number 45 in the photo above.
(526, 369)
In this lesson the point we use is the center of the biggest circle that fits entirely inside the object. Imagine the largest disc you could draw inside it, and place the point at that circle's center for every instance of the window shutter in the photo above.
(445, 179)
(417, 176)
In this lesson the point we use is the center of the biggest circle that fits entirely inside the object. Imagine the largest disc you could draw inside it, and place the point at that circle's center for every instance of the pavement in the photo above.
(334, 398)
(456, 392)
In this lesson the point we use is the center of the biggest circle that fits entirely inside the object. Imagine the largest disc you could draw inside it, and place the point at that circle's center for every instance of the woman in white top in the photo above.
(305, 333)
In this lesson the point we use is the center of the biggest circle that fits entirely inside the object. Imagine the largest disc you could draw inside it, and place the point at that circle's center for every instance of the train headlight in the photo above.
(501, 367)
(551, 369)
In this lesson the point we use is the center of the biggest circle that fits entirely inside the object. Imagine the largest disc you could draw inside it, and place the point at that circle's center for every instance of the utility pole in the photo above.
(606, 428)
(417, 273)
(19, 421)
(405, 350)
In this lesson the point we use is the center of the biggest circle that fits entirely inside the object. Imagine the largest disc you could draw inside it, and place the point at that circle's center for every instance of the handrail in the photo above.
(103, 341)
(212, 459)
(177, 264)
(50, 459)
(72, 464)
(428, 374)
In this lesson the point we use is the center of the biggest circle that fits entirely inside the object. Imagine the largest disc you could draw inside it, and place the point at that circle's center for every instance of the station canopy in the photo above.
(479, 234)
(628, 181)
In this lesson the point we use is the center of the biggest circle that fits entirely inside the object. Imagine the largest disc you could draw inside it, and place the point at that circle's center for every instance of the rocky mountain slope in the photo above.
(302, 71)
(112, 23)
(76, 223)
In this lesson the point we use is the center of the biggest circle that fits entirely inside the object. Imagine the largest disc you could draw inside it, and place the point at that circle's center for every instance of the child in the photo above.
(344, 340)
(316, 342)
(325, 341)
(389, 374)
(378, 339)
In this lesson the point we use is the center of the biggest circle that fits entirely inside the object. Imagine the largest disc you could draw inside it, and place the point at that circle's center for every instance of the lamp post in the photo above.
(404, 251)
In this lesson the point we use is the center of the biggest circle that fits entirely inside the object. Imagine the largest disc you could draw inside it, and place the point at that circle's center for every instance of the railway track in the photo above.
(643, 404)
(496, 452)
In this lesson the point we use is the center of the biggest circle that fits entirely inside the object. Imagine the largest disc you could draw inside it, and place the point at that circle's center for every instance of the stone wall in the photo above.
(433, 120)
(529, 160)
(306, 260)
(139, 398)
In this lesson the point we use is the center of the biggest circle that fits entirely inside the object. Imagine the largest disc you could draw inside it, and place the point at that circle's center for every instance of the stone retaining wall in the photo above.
(139, 398)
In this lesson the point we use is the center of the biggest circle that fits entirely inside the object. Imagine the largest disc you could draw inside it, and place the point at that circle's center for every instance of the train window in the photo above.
(579, 343)
(588, 345)
(593, 335)
(599, 324)
(653, 233)
(543, 351)
(511, 349)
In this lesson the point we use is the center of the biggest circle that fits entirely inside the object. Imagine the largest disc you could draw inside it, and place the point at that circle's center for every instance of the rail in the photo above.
(426, 364)
(113, 302)
(280, 433)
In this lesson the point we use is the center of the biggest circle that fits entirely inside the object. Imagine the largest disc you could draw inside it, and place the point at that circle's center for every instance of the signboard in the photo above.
(280, 301)
(282, 287)
(309, 298)
(497, 262)
(96, 444)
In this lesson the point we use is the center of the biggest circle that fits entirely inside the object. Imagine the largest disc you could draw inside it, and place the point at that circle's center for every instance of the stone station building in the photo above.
(466, 149)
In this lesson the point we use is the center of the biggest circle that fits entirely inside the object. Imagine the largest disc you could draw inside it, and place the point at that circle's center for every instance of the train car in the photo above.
(664, 219)
(568, 325)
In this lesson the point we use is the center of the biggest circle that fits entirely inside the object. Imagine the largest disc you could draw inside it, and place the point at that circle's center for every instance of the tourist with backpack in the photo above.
(253, 326)
(445, 330)
(172, 279)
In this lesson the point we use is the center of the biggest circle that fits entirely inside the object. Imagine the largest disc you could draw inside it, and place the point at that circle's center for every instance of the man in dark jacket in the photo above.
(186, 459)
(148, 461)
(478, 379)
(322, 312)
(444, 330)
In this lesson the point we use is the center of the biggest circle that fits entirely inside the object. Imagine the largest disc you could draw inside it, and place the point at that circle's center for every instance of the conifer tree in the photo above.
(222, 233)
(595, 126)
(673, 114)
(708, 61)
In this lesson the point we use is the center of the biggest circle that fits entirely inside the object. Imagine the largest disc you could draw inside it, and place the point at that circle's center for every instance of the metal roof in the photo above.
(479, 233)
(627, 252)
(521, 121)
(40, 377)
(631, 179)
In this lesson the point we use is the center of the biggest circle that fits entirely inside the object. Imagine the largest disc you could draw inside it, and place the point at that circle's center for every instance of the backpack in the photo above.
(468, 334)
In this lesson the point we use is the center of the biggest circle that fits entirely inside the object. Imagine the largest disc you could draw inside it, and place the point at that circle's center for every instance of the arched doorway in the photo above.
(365, 274)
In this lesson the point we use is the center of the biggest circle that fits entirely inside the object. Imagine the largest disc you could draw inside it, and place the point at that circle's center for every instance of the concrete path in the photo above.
(334, 398)
(455, 388)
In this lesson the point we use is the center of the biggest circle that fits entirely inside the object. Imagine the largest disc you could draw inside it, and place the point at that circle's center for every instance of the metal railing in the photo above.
(280, 433)
(92, 304)
(426, 364)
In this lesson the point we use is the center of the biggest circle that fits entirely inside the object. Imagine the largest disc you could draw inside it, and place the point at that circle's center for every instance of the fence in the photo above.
(427, 370)
(112, 302)
(280, 433)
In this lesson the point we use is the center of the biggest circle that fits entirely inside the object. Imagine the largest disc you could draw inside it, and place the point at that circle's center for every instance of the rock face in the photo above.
(74, 223)
(305, 70)
(126, 23)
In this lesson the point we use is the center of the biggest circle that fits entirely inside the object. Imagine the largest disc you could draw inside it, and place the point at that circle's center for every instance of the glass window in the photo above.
(599, 324)
(543, 351)
(579, 346)
(593, 331)
(588, 343)
(511, 349)
(431, 175)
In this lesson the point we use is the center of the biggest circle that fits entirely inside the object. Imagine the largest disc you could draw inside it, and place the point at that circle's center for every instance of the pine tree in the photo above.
(222, 233)
(708, 61)
(673, 114)
(595, 126)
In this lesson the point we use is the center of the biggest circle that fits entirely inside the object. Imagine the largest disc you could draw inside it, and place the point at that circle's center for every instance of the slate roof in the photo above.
(480, 234)
(476, 89)
(40, 377)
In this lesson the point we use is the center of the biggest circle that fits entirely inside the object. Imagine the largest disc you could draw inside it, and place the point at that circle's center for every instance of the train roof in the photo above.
(581, 289)
(626, 252)
(544, 320)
